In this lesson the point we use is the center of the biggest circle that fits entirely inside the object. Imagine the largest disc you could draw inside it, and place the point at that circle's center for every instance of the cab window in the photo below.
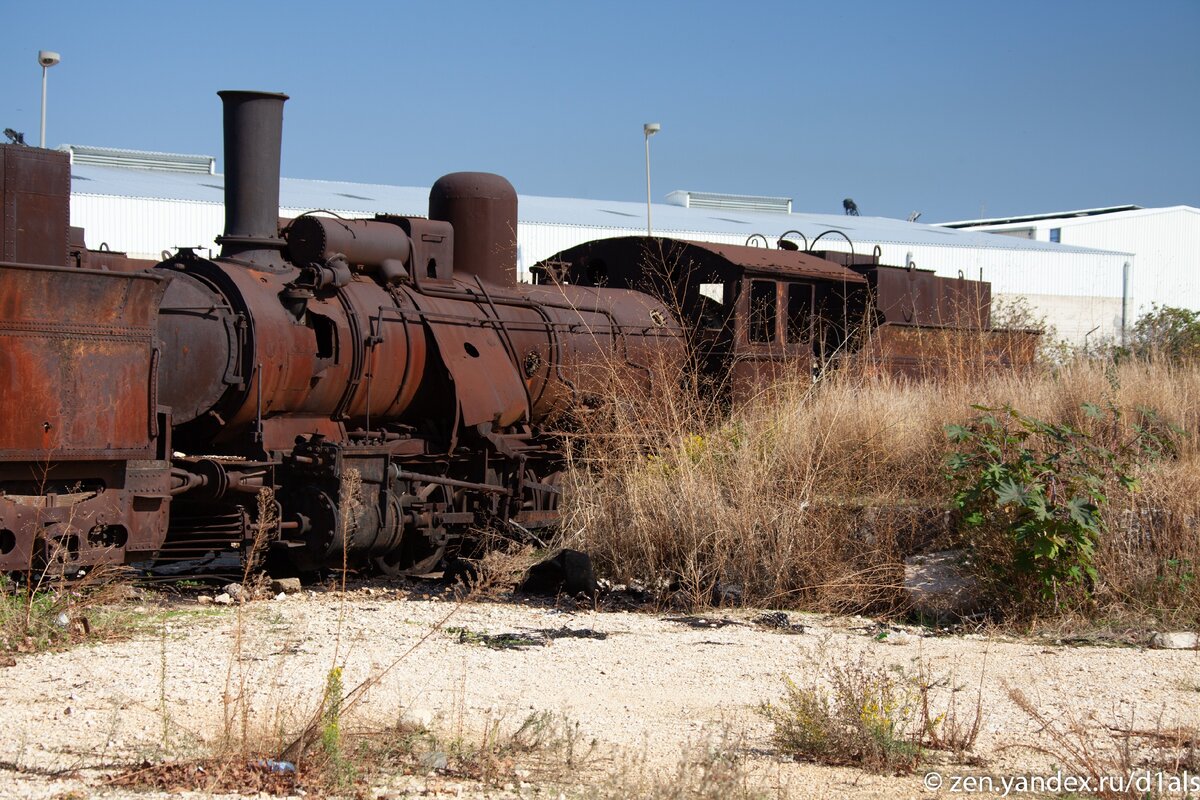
(799, 312)
(762, 311)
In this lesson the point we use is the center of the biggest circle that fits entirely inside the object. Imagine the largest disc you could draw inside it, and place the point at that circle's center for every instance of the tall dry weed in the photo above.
(811, 494)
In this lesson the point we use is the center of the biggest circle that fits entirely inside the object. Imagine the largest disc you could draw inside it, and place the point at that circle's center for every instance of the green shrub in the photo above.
(1031, 493)
(1167, 332)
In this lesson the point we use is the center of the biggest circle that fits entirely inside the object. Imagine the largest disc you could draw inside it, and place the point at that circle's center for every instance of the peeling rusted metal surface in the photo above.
(488, 388)
(77, 361)
(919, 297)
(35, 190)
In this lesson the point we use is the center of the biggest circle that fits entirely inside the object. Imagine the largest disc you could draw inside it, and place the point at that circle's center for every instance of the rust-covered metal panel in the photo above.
(597, 337)
(35, 191)
(919, 297)
(77, 363)
(925, 352)
(81, 512)
(486, 382)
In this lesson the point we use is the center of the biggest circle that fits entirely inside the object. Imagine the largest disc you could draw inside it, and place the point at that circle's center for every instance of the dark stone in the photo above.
(459, 570)
(773, 619)
(569, 571)
(727, 594)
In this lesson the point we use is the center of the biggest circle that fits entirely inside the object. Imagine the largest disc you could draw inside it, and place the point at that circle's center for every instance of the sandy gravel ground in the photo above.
(648, 692)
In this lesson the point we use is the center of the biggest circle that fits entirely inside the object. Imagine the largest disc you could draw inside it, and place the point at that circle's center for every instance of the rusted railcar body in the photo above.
(83, 475)
(752, 315)
(755, 314)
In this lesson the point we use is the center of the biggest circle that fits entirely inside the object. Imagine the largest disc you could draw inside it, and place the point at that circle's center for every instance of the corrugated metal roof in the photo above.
(370, 198)
(1077, 217)
(1083, 212)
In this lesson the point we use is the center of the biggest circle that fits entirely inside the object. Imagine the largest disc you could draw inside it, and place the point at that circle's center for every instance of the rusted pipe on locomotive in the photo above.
(364, 242)
(253, 127)
(210, 479)
(332, 248)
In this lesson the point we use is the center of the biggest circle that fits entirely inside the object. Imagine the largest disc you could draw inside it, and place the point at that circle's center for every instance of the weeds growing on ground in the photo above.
(713, 768)
(879, 718)
(811, 495)
(1083, 745)
(1031, 494)
(45, 613)
(865, 717)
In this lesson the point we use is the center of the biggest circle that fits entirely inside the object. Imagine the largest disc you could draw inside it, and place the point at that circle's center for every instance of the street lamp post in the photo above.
(47, 58)
(648, 130)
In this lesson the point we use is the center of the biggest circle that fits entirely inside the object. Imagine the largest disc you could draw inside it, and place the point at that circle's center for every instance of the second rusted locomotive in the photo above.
(363, 393)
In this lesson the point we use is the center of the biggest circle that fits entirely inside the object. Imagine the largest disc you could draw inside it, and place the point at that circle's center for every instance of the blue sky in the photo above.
(948, 108)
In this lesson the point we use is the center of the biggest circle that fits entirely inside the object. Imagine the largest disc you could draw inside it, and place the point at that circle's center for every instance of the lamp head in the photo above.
(651, 128)
(48, 58)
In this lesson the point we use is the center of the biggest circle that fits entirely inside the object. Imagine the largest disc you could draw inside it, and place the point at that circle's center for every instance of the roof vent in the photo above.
(140, 159)
(739, 202)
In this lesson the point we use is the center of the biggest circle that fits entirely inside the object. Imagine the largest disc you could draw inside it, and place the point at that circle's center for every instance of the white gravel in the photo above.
(650, 690)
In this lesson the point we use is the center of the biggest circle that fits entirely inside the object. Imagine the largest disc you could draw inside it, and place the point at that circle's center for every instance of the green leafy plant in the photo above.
(1039, 488)
(1167, 332)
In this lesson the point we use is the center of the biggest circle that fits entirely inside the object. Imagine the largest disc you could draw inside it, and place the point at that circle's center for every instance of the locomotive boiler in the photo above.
(396, 356)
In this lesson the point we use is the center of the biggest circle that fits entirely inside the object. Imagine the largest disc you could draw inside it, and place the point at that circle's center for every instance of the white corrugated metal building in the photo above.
(1165, 243)
(156, 204)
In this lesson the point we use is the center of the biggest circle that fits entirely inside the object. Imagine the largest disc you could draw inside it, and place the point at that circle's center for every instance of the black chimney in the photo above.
(253, 135)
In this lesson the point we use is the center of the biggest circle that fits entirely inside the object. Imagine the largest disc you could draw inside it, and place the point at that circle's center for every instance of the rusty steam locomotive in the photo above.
(147, 406)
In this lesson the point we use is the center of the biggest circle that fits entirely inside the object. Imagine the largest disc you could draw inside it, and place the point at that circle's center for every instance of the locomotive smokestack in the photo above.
(253, 136)
(482, 207)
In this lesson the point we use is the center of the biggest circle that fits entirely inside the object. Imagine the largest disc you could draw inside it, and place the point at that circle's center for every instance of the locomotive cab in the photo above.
(750, 315)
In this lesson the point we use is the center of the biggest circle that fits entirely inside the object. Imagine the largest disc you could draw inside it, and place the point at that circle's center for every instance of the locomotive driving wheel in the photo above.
(542, 494)
(421, 549)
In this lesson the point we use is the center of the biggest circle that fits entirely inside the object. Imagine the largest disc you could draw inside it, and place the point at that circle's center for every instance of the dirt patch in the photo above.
(643, 688)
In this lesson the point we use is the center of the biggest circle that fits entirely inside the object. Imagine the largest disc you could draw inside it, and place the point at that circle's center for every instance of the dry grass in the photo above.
(880, 718)
(811, 495)
(712, 768)
(48, 612)
(1114, 756)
